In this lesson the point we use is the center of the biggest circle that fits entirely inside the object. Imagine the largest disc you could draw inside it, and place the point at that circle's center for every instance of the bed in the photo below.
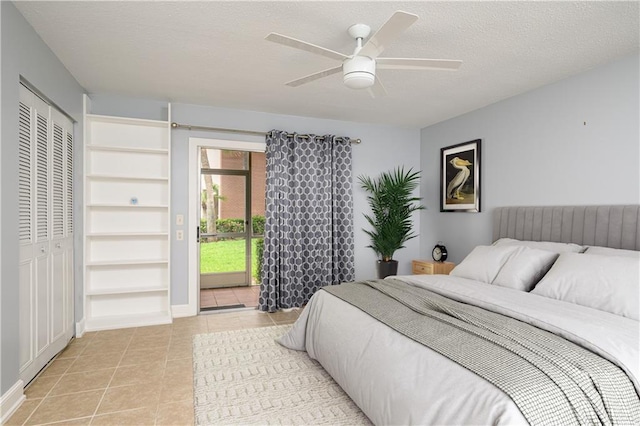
(553, 341)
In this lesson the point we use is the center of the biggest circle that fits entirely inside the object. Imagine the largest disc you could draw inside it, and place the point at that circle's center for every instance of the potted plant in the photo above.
(392, 203)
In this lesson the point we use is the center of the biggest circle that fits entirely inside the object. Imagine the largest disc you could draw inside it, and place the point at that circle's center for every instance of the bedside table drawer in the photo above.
(421, 268)
(428, 267)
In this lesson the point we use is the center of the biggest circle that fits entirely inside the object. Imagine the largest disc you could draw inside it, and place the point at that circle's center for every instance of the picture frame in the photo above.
(460, 177)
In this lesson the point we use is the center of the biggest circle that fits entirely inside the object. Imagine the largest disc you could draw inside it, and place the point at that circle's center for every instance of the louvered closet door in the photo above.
(46, 241)
(26, 230)
(68, 230)
(61, 239)
(42, 257)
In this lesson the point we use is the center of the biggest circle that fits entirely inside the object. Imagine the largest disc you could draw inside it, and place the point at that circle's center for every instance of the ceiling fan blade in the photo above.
(389, 31)
(377, 90)
(314, 76)
(417, 64)
(303, 45)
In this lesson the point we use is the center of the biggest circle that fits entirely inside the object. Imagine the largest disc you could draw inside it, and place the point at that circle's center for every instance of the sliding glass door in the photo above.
(225, 218)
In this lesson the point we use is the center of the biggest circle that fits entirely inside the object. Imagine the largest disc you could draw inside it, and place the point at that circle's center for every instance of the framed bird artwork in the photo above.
(460, 177)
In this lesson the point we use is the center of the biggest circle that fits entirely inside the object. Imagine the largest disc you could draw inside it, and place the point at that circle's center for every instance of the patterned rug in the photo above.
(245, 377)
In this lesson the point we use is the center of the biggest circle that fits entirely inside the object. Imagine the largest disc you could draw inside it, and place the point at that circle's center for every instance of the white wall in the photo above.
(382, 148)
(25, 55)
(574, 142)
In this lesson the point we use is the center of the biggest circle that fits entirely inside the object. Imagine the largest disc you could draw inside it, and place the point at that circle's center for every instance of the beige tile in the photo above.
(187, 321)
(180, 375)
(72, 351)
(185, 339)
(66, 407)
(172, 392)
(138, 374)
(129, 397)
(58, 367)
(41, 386)
(175, 414)
(144, 356)
(23, 412)
(95, 362)
(84, 421)
(257, 320)
(98, 346)
(154, 330)
(115, 340)
(84, 340)
(115, 335)
(87, 380)
(118, 333)
(283, 317)
(158, 341)
(180, 352)
(138, 417)
(188, 331)
(184, 364)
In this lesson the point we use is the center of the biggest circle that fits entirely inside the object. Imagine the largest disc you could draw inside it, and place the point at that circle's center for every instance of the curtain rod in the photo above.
(244, 132)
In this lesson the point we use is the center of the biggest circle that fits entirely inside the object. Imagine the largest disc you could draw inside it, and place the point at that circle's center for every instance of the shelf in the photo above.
(127, 120)
(126, 149)
(130, 178)
(125, 290)
(127, 247)
(127, 262)
(127, 234)
(126, 321)
(127, 206)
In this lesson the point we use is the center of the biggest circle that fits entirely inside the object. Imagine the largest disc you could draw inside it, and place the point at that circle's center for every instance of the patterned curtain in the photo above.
(308, 235)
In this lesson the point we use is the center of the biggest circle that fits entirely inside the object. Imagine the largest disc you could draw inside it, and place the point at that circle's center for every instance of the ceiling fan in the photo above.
(359, 69)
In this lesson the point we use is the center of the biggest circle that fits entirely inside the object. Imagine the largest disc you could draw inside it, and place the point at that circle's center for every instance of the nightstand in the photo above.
(430, 267)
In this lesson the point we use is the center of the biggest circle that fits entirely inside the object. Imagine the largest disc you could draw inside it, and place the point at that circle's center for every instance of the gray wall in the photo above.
(383, 148)
(24, 54)
(572, 142)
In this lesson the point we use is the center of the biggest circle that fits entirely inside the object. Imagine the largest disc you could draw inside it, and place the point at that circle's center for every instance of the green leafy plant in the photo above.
(392, 203)
(259, 259)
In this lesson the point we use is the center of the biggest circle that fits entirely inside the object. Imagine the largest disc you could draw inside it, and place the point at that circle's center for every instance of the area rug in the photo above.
(245, 377)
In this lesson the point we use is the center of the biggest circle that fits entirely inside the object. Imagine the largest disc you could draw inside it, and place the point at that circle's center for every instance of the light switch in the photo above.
(179, 235)
(179, 219)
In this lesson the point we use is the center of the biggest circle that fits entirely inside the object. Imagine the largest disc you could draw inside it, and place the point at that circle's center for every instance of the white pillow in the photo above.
(606, 251)
(607, 283)
(483, 263)
(525, 268)
(542, 245)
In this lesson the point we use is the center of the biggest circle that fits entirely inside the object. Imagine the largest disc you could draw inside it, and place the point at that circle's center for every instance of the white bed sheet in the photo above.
(395, 380)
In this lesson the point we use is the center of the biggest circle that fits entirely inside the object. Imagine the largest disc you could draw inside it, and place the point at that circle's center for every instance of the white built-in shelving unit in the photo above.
(127, 221)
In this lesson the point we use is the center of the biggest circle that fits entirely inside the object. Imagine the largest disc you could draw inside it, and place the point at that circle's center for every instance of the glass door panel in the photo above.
(225, 244)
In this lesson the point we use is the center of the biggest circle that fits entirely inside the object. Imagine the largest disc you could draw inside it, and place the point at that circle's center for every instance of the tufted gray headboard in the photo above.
(606, 226)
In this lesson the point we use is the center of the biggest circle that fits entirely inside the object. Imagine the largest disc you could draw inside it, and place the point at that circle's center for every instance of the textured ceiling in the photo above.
(214, 53)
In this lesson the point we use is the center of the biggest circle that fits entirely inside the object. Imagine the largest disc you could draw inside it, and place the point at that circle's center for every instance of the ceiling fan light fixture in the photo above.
(359, 80)
(359, 69)
(359, 72)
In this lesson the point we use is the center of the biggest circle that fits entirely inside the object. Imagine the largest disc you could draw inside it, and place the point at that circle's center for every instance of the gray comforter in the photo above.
(398, 381)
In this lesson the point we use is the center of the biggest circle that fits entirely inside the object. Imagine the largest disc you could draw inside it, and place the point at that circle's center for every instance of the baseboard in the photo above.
(179, 311)
(80, 328)
(11, 401)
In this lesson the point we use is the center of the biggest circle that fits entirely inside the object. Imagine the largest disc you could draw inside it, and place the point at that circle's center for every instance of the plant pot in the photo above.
(386, 268)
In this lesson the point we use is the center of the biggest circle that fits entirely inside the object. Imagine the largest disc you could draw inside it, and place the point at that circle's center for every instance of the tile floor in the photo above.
(137, 376)
(230, 296)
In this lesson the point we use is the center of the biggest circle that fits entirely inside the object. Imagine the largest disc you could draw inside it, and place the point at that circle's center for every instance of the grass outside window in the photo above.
(227, 256)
